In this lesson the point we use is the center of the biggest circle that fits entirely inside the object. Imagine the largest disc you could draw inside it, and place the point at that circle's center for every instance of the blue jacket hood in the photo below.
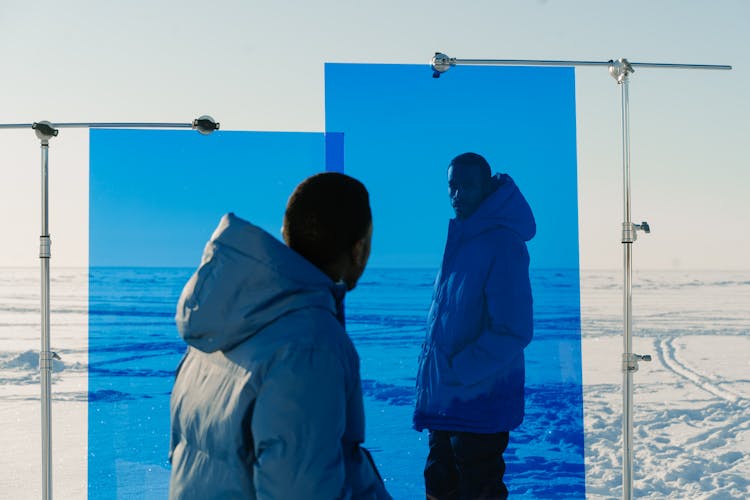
(504, 207)
(248, 279)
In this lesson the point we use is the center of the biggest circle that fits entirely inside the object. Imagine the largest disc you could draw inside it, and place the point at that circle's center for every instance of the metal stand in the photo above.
(45, 131)
(620, 71)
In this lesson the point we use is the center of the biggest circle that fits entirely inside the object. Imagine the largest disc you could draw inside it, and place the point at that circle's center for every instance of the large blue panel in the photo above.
(155, 198)
(402, 127)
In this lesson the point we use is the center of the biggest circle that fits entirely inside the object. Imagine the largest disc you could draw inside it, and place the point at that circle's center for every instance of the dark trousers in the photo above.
(465, 466)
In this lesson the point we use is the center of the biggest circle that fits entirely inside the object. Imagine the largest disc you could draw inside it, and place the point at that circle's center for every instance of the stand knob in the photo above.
(630, 361)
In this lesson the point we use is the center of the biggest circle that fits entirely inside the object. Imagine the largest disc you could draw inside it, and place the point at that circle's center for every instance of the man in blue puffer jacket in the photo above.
(267, 402)
(470, 383)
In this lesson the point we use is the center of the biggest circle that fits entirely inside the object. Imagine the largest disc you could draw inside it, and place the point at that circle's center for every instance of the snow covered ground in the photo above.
(20, 414)
(691, 403)
(691, 411)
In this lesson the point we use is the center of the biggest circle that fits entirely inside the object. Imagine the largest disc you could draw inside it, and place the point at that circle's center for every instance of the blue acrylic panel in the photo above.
(155, 198)
(401, 129)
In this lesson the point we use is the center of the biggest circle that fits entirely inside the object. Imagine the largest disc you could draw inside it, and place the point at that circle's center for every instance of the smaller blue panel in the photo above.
(155, 197)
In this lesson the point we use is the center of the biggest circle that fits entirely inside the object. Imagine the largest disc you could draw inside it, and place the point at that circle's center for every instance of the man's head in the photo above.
(328, 221)
(469, 183)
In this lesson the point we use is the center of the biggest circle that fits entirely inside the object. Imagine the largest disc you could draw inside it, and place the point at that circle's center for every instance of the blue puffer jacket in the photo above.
(471, 369)
(267, 402)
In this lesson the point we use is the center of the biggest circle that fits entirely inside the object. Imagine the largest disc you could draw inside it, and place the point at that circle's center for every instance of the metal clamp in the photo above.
(45, 359)
(44, 131)
(630, 361)
(441, 63)
(205, 125)
(620, 69)
(629, 231)
(45, 247)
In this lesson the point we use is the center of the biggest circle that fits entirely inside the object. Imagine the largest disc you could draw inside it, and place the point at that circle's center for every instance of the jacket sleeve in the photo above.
(508, 325)
(297, 425)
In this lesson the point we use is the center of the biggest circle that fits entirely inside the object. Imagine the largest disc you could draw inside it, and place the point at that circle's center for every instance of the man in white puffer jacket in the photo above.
(267, 402)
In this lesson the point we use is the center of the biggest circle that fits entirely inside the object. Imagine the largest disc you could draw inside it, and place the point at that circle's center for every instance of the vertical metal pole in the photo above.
(627, 241)
(45, 356)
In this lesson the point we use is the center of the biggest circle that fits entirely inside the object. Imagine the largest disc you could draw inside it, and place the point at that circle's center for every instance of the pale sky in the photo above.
(259, 66)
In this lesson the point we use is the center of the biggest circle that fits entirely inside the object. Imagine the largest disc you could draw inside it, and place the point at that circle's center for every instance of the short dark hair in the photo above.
(325, 216)
(472, 160)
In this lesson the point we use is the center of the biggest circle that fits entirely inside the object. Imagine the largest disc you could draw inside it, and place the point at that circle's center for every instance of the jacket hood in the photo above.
(246, 280)
(505, 207)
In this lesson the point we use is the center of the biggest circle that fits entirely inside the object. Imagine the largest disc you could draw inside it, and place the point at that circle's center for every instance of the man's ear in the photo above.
(358, 251)
(282, 230)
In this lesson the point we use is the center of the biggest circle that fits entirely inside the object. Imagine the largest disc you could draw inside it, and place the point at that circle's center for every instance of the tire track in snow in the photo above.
(669, 358)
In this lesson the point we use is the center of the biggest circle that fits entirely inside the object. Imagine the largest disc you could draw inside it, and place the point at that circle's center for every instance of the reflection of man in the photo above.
(268, 400)
(470, 384)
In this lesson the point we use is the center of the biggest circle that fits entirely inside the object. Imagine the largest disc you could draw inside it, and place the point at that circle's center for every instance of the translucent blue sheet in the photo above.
(155, 198)
(402, 128)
